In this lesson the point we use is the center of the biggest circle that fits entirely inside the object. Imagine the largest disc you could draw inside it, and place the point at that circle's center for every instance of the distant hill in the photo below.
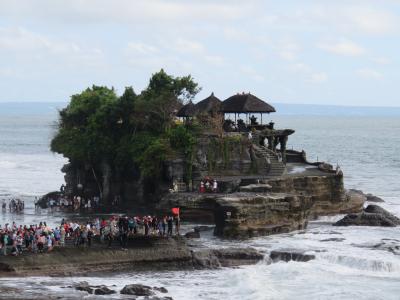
(37, 108)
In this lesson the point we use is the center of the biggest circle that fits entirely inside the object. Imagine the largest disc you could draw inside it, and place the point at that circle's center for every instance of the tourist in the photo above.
(177, 224)
(215, 186)
(169, 225)
(62, 236)
(49, 242)
(89, 237)
(202, 188)
(164, 225)
(18, 243)
(208, 185)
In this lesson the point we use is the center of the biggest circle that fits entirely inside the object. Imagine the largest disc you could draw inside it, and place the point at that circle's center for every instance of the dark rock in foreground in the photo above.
(84, 287)
(373, 215)
(137, 290)
(375, 209)
(333, 240)
(368, 197)
(202, 228)
(192, 235)
(228, 257)
(103, 290)
(160, 289)
(289, 255)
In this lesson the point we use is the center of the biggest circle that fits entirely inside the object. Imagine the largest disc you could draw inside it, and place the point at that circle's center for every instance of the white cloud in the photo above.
(181, 53)
(142, 48)
(300, 67)
(318, 77)
(123, 11)
(252, 73)
(288, 50)
(21, 40)
(367, 73)
(381, 60)
(214, 60)
(187, 46)
(309, 74)
(343, 47)
(371, 20)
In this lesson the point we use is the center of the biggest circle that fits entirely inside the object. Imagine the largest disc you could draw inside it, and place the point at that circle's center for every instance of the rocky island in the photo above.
(153, 152)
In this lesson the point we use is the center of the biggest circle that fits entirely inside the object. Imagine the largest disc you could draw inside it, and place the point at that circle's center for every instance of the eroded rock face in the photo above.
(289, 255)
(327, 192)
(287, 205)
(373, 215)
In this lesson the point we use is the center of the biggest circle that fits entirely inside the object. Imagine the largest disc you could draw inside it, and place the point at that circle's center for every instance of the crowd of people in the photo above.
(14, 205)
(208, 185)
(74, 203)
(14, 239)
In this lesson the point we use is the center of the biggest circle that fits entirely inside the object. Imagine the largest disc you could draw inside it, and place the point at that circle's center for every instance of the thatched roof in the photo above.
(245, 103)
(188, 110)
(208, 105)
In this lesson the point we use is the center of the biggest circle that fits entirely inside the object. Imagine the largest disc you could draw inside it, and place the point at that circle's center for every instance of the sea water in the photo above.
(351, 262)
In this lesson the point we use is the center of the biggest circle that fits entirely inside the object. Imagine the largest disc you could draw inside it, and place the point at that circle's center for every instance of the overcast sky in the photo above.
(299, 51)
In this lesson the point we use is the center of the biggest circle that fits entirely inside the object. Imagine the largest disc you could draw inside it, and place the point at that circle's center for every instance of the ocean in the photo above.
(351, 262)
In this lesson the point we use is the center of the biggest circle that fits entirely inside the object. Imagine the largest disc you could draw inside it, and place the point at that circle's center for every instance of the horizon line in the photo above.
(274, 103)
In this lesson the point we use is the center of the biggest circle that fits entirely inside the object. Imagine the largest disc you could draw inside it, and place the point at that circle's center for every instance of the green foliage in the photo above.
(126, 131)
(151, 160)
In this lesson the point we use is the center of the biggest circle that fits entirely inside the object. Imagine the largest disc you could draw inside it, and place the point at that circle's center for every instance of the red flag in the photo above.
(175, 210)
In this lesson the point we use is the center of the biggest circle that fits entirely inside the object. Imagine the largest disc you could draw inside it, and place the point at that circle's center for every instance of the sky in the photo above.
(290, 51)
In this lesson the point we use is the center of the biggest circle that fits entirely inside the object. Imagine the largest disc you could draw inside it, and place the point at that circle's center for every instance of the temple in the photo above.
(242, 116)
(241, 176)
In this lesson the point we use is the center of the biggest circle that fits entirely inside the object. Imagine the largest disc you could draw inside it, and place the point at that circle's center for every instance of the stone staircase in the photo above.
(277, 168)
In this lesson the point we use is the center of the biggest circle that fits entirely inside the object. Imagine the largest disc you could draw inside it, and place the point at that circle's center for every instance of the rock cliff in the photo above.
(277, 205)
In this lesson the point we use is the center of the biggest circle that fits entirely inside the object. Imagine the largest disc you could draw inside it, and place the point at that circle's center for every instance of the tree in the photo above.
(118, 135)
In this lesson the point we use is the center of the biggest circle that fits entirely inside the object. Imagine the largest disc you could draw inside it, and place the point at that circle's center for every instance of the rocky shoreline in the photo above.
(143, 253)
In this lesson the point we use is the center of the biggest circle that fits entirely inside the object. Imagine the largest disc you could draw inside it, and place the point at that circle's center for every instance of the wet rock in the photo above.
(334, 240)
(373, 215)
(375, 209)
(202, 228)
(288, 255)
(205, 259)
(192, 235)
(364, 219)
(84, 286)
(368, 197)
(390, 245)
(137, 290)
(373, 198)
(228, 257)
(103, 290)
(256, 188)
(160, 289)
